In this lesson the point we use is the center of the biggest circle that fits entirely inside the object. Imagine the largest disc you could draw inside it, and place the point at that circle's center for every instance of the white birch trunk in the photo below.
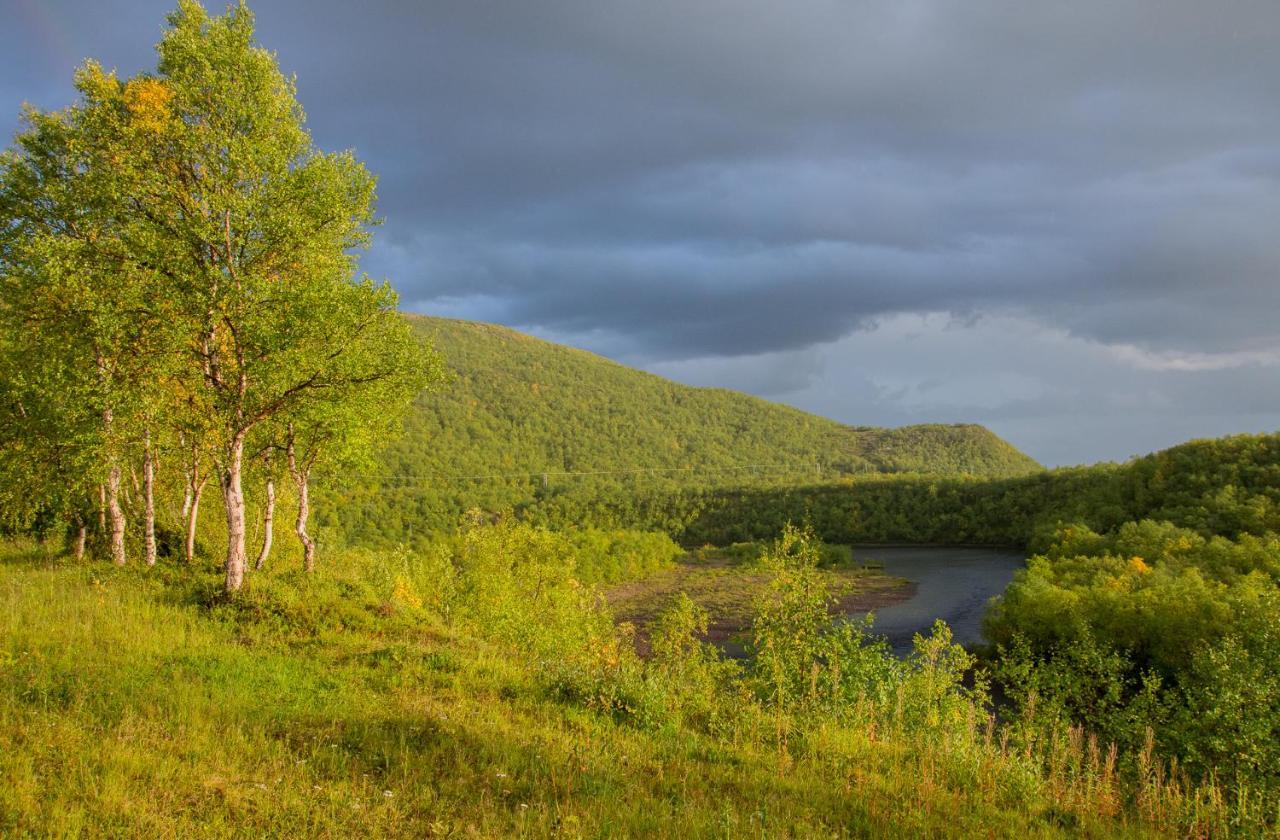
(304, 511)
(233, 499)
(82, 534)
(192, 517)
(149, 501)
(111, 498)
(116, 514)
(268, 522)
(301, 477)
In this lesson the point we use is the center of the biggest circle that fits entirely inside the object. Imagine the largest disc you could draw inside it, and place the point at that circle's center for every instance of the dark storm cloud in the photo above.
(739, 176)
(687, 180)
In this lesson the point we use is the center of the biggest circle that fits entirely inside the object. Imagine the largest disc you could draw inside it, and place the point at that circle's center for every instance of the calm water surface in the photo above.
(953, 584)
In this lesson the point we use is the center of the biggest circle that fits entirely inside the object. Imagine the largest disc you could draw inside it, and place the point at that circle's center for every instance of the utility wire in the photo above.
(547, 474)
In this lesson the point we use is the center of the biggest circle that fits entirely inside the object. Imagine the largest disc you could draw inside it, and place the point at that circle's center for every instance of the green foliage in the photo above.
(791, 619)
(179, 267)
(1153, 628)
(519, 408)
(601, 556)
(1228, 488)
(150, 703)
(698, 685)
(807, 664)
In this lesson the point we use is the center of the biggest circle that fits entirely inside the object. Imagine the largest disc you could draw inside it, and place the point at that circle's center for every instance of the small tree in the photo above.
(791, 618)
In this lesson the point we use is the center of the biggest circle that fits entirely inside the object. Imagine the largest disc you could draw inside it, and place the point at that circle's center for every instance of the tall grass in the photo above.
(478, 689)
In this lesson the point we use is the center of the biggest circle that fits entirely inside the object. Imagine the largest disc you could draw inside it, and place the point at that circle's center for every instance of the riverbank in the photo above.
(727, 589)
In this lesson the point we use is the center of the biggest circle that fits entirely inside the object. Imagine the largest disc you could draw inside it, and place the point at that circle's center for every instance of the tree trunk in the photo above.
(149, 501)
(192, 516)
(304, 511)
(111, 497)
(82, 533)
(301, 477)
(102, 510)
(116, 514)
(268, 520)
(233, 499)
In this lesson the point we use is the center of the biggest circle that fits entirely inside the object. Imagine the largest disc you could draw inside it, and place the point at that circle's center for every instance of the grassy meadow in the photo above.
(360, 702)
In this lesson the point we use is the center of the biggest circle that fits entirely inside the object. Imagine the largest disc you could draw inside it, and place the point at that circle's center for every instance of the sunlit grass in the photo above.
(140, 703)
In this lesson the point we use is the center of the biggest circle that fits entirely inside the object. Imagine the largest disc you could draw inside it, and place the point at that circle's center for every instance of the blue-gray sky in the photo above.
(1056, 219)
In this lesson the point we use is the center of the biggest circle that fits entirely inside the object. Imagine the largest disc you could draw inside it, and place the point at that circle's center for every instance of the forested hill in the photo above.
(526, 405)
(520, 407)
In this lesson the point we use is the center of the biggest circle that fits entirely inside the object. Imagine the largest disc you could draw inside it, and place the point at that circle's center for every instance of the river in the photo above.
(953, 584)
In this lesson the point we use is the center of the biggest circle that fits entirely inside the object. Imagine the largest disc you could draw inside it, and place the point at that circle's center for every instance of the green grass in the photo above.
(141, 703)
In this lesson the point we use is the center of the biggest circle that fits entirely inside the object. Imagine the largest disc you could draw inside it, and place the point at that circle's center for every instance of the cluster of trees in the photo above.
(178, 285)
(1219, 487)
(1153, 631)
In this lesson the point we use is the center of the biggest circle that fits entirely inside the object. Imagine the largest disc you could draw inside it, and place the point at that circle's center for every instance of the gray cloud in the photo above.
(674, 182)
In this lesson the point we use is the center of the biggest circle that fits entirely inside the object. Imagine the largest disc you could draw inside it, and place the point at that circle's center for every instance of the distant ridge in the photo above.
(521, 408)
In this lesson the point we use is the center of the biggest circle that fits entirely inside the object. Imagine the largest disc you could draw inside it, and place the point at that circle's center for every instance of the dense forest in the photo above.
(1224, 487)
(523, 419)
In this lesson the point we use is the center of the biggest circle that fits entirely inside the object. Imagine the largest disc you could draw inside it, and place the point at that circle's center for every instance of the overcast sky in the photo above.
(1061, 220)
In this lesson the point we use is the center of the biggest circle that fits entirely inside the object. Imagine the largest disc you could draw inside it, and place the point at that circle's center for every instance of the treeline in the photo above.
(178, 286)
(1225, 487)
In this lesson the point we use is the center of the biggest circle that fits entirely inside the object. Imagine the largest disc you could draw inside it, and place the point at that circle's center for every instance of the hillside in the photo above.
(521, 408)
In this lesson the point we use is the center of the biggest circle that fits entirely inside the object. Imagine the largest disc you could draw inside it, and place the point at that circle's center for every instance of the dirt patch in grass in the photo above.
(727, 591)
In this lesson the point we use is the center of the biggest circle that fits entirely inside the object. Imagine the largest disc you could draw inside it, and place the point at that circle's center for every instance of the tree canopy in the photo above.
(180, 264)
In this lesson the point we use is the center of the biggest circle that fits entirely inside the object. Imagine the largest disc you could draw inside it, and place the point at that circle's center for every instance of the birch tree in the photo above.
(181, 243)
(339, 431)
(83, 307)
(265, 229)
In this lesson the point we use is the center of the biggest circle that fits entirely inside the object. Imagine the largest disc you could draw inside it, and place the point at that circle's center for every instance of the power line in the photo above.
(546, 474)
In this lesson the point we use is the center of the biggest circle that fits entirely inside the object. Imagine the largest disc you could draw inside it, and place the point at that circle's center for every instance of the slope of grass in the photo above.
(137, 703)
(520, 408)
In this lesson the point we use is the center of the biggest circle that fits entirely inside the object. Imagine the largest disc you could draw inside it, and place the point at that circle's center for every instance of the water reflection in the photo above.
(953, 584)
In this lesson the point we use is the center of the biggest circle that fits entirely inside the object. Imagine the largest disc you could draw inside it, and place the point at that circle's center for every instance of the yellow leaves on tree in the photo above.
(148, 103)
(405, 594)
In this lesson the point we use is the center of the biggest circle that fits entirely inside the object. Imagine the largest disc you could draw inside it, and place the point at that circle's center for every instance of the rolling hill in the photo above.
(524, 415)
